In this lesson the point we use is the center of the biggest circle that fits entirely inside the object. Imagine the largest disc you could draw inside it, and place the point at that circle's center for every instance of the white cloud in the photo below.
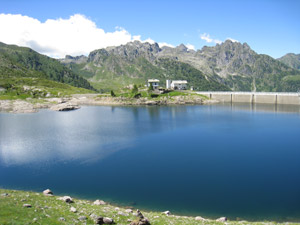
(233, 40)
(206, 37)
(162, 44)
(190, 47)
(59, 37)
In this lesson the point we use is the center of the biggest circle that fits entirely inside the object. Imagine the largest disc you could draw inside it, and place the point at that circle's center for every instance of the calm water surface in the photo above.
(237, 161)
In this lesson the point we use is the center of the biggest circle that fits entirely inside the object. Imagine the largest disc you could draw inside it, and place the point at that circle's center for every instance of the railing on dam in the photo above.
(291, 98)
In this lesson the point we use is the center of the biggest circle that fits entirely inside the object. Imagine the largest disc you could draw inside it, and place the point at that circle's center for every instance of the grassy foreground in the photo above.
(51, 210)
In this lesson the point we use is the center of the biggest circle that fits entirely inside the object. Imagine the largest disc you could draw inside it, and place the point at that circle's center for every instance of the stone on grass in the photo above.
(66, 199)
(61, 219)
(27, 205)
(99, 220)
(4, 194)
(82, 218)
(48, 192)
(128, 210)
(72, 209)
(221, 219)
(122, 213)
(107, 220)
(199, 218)
(139, 214)
(167, 213)
(99, 202)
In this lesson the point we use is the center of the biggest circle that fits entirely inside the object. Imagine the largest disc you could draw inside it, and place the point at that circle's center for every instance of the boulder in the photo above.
(122, 213)
(99, 202)
(199, 218)
(48, 192)
(139, 214)
(167, 213)
(66, 199)
(65, 107)
(27, 205)
(221, 219)
(82, 218)
(107, 220)
(72, 209)
(128, 210)
(99, 220)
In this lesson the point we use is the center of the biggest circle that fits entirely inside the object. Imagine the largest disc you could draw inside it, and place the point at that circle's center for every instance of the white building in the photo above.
(176, 84)
(154, 82)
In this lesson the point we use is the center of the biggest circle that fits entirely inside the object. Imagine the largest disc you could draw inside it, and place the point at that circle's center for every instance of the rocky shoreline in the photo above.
(75, 101)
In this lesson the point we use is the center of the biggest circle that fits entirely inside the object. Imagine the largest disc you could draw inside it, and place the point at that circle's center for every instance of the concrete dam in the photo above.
(287, 98)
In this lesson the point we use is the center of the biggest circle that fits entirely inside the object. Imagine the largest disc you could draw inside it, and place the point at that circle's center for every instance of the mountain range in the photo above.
(224, 67)
(227, 66)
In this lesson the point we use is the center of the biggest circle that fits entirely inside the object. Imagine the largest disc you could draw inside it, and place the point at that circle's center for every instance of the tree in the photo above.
(112, 93)
(135, 89)
(150, 87)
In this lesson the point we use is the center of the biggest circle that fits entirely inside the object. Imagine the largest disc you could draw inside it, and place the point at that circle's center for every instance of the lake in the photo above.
(239, 161)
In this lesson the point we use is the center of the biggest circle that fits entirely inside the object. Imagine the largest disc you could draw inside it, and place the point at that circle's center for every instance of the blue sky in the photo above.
(269, 27)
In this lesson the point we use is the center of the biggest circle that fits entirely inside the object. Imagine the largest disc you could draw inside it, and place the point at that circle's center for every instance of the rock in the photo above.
(66, 199)
(139, 214)
(4, 194)
(48, 192)
(151, 103)
(122, 213)
(199, 218)
(128, 210)
(221, 219)
(156, 217)
(61, 219)
(27, 205)
(117, 208)
(72, 209)
(99, 202)
(82, 218)
(99, 220)
(107, 220)
(144, 221)
(167, 213)
(65, 107)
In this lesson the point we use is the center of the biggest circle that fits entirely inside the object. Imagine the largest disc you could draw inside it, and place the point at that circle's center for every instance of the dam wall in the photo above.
(289, 98)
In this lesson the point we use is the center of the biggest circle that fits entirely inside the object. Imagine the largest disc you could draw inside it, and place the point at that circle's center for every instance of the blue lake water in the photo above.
(240, 161)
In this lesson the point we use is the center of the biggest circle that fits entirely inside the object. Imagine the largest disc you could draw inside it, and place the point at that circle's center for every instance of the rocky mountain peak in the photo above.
(182, 48)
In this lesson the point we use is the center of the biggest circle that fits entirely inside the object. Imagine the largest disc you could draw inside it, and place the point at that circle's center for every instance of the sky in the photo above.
(57, 28)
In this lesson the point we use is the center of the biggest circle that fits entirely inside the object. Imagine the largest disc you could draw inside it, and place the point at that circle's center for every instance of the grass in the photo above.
(50, 210)
(29, 87)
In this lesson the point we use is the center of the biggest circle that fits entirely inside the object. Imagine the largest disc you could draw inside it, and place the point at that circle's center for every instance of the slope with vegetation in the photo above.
(26, 73)
(227, 66)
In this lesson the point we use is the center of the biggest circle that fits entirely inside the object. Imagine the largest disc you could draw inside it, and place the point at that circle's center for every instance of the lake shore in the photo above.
(77, 100)
(45, 208)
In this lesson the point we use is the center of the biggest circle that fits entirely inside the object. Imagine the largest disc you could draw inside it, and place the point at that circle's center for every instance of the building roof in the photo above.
(152, 80)
(179, 82)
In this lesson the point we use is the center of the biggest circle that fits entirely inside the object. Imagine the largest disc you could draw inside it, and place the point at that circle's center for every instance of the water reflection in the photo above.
(93, 133)
(89, 134)
(276, 108)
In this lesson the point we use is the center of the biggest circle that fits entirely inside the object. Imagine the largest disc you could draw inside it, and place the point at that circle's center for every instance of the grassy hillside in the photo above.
(24, 62)
(51, 210)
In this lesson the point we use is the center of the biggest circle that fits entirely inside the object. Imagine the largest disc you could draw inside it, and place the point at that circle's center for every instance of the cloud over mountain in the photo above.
(76, 35)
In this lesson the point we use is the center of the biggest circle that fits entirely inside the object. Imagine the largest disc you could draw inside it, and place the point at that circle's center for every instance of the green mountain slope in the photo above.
(291, 60)
(135, 62)
(24, 62)
(226, 66)
(25, 73)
